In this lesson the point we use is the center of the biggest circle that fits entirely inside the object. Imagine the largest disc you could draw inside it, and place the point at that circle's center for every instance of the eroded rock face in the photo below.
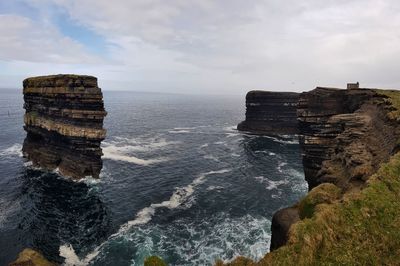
(64, 124)
(344, 135)
(281, 222)
(272, 113)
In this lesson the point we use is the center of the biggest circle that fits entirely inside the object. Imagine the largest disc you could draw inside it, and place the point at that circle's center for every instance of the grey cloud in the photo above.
(235, 45)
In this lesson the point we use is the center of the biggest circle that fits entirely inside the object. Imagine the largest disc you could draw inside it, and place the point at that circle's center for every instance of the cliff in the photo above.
(344, 134)
(64, 124)
(351, 215)
(272, 113)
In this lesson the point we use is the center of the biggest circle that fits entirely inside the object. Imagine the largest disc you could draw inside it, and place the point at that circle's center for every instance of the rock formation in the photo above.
(271, 113)
(345, 135)
(64, 124)
(350, 140)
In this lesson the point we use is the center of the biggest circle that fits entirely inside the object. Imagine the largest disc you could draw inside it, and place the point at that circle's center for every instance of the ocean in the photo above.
(178, 181)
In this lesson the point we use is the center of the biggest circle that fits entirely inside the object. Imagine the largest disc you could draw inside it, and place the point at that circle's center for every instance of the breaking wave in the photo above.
(121, 149)
(14, 150)
(180, 197)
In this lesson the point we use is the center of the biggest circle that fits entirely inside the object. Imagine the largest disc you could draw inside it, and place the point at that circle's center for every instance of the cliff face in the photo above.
(345, 135)
(270, 113)
(348, 217)
(64, 124)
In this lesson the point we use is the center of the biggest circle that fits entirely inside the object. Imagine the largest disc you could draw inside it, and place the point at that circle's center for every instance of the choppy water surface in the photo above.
(178, 182)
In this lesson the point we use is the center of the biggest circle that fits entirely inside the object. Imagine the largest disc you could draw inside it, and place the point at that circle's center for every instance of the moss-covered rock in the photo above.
(30, 257)
(154, 261)
(324, 193)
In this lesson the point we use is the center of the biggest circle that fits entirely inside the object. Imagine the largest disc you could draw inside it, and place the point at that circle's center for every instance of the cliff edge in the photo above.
(64, 124)
(350, 143)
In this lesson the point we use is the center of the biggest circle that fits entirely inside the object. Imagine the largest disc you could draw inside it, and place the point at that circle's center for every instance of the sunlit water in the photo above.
(178, 182)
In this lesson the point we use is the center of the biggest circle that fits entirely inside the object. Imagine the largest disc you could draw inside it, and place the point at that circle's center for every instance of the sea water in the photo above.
(179, 181)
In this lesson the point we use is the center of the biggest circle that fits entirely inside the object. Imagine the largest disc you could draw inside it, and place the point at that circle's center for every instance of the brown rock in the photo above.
(281, 223)
(30, 257)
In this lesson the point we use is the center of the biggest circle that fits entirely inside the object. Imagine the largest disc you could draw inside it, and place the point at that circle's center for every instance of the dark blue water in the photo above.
(178, 182)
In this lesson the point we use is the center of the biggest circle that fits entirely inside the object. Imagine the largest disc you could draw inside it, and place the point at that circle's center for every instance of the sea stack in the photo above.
(271, 113)
(64, 124)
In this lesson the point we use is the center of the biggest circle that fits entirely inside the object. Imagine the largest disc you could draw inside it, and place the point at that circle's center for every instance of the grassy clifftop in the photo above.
(360, 229)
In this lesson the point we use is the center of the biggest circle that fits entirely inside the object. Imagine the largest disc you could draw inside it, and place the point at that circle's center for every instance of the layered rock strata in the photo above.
(345, 135)
(272, 113)
(64, 124)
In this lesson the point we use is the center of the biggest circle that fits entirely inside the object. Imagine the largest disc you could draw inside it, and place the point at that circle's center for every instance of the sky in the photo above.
(203, 46)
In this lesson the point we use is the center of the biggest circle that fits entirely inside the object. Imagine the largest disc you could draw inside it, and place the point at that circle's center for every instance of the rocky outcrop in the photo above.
(30, 257)
(281, 222)
(64, 124)
(272, 113)
(345, 135)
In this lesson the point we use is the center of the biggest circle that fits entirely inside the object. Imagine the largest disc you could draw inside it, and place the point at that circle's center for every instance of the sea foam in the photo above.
(177, 199)
(14, 150)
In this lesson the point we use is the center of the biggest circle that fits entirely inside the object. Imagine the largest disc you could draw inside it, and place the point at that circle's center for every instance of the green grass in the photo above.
(360, 229)
(324, 193)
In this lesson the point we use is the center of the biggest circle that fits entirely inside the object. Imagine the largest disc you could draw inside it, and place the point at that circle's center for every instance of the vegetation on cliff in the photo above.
(154, 261)
(394, 100)
(360, 229)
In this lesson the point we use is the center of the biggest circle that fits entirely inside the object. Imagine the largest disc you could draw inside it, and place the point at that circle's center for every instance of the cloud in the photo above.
(223, 46)
(22, 39)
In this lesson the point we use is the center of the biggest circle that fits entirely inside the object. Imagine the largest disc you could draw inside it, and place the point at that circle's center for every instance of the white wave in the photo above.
(218, 237)
(267, 152)
(220, 142)
(271, 184)
(180, 195)
(298, 183)
(14, 150)
(227, 240)
(211, 157)
(280, 165)
(89, 180)
(71, 259)
(179, 131)
(178, 198)
(235, 155)
(229, 135)
(127, 145)
(116, 153)
(284, 140)
(184, 128)
(214, 188)
(28, 164)
(230, 128)
(204, 145)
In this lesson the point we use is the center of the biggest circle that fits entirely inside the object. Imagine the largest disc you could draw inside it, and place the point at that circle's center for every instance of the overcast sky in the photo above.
(203, 46)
